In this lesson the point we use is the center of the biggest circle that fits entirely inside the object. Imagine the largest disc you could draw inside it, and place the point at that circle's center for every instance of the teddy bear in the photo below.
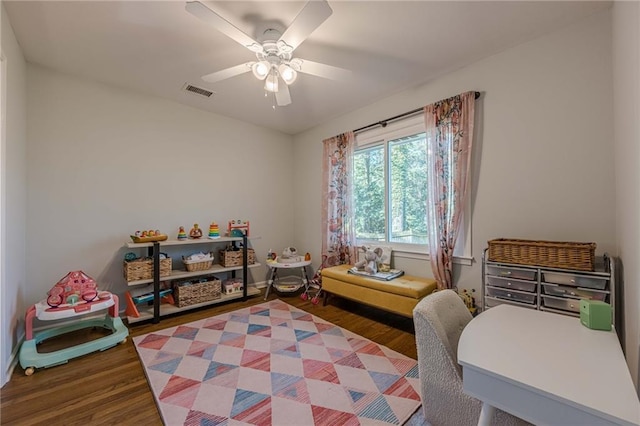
(370, 261)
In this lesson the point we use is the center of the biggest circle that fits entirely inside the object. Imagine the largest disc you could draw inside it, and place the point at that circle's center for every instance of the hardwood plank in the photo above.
(110, 388)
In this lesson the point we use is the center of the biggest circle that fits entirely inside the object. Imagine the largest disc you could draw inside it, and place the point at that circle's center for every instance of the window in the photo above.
(390, 188)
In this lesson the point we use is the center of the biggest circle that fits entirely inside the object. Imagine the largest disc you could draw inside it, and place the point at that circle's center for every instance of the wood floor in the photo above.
(110, 388)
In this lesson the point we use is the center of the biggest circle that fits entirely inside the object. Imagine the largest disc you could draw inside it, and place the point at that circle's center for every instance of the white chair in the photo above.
(439, 320)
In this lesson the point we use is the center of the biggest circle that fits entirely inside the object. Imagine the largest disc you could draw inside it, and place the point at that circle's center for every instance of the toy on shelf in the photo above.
(74, 288)
(214, 231)
(148, 297)
(182, 235)
(238, 228)
(148, 236)
(233, 285)
(129, 257)
(131, 310)
(30, 358)
(195, 232)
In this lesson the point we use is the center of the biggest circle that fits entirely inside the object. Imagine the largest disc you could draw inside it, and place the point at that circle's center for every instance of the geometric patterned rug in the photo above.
(274, 364)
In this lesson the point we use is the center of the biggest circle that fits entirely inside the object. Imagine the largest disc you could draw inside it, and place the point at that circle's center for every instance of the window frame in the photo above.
(381, 136)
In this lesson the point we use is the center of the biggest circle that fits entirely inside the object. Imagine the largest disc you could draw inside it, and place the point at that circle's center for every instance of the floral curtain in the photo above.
(338, 237)
(449, 129)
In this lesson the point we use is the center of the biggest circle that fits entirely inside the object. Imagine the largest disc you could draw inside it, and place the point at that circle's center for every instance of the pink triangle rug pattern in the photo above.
(274, 364)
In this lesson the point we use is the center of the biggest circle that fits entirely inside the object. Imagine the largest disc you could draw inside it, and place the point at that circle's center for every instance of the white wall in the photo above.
(626, 77)
(543, 155)
(104, 162)
(543, 161)
(13, 204)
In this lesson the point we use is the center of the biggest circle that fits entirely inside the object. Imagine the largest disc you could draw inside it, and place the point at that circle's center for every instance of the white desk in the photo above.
(546, 369)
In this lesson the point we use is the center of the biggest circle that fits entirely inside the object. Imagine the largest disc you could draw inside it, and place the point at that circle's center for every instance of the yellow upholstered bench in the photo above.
(399, 295)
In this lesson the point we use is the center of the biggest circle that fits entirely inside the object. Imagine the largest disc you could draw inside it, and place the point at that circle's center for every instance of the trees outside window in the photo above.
(390, 189)
(390, 176)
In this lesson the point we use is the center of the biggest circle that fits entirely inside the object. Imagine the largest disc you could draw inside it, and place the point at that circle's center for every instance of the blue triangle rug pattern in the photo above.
(274, 364)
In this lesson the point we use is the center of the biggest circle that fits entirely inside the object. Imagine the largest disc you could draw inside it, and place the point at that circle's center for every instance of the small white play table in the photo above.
(274, 265)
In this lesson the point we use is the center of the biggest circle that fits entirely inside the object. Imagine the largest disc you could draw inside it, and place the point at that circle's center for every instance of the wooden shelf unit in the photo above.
(157, 310)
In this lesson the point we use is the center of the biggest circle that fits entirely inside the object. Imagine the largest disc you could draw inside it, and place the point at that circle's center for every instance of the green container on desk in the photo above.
(595, 314)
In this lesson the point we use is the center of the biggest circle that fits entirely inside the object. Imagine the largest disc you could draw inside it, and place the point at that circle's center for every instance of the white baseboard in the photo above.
(13, 360)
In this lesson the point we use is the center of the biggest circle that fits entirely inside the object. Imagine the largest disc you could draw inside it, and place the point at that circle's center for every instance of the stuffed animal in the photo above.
(370, 261)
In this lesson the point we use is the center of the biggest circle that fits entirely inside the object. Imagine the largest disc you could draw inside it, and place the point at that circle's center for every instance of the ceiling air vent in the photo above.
(197, 90)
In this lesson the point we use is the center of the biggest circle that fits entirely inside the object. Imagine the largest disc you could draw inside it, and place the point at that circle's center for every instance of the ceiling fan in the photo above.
(273, 50)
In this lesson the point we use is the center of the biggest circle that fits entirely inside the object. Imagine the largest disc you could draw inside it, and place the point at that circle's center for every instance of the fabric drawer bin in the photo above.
(517, 296)
(517, 273)
(511, 283)
(562, 291)
(574, 280)
(565, 304)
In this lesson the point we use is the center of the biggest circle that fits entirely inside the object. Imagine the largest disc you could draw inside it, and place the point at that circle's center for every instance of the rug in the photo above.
(274, 364)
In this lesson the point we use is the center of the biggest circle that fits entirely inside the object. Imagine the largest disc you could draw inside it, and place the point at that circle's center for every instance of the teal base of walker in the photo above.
(30, 358)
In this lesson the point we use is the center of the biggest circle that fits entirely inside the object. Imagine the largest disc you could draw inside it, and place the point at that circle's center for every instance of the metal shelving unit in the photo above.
(547, 289)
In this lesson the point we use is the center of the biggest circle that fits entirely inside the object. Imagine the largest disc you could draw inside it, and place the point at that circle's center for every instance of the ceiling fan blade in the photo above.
(227, 73)
(283, 96)
(201, 11)
(310, 17)
(323, 70)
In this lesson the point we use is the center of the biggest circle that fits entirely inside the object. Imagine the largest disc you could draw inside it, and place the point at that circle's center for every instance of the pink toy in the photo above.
(75, 287)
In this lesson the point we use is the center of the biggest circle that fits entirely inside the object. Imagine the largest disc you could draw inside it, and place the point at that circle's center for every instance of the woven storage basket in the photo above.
(565, 255)
(193, 266)
(205, 289)
(142, 269)
(234, 257)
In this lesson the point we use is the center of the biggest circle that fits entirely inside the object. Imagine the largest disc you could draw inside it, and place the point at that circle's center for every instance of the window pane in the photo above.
(408, 192)
(369, 192)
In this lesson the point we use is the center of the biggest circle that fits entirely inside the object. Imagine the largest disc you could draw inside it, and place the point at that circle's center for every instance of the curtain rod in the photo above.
(384, 123)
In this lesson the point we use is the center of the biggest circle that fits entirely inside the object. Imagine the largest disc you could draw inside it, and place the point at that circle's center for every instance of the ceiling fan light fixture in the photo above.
(271, 83)
(261, 69)
(296, 64)
(283, 47)
(255, 48)
(287, 73)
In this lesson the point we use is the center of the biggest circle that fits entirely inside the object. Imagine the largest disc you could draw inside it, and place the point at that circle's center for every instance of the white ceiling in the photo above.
(155, 47)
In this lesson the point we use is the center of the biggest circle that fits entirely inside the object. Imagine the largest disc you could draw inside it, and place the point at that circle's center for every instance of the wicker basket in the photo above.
(234, 257)
(565, 255)
(142, 269)
(197, 265)
(190, 292)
